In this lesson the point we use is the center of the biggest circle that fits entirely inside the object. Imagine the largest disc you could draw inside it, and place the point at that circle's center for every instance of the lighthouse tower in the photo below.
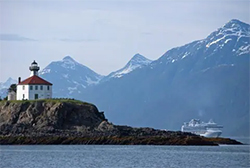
(34, 68)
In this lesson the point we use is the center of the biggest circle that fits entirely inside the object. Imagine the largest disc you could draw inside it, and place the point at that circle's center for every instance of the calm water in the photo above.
(74, 156)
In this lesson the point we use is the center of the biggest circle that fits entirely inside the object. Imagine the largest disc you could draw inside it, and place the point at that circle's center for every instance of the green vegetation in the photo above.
(12, 88)
(55, 100)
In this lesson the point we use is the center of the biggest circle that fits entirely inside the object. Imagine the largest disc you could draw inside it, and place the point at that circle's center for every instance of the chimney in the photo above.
(19, 80)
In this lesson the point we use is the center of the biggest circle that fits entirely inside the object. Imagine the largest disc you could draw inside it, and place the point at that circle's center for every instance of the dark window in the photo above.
(41, 87)
(23, 87)
(36, 96)
(31, 87)
(36, 87)
(48, 87)
(23, 96)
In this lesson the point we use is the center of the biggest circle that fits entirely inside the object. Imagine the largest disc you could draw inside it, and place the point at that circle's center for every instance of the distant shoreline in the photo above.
(243, 140)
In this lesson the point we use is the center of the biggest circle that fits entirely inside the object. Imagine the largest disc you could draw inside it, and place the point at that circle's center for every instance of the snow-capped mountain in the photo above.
(137, 61)
(233, 30)
(230, 40)
(204, 79)
(69, 77)
(5, 85)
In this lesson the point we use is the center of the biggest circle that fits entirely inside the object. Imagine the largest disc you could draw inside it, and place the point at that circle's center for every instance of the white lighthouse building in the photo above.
(33, 87)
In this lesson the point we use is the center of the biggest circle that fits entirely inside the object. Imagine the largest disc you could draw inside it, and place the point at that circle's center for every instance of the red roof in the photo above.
(34, 80)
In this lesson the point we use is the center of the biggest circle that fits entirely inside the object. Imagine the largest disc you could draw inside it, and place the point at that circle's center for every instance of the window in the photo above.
(48, 87)
(41, 87)
(31, 87)
(36, 87)
(23, 96)
(23, 87)
(36, 96)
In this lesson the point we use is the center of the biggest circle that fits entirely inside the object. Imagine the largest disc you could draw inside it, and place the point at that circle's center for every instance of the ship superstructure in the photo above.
(209, 129)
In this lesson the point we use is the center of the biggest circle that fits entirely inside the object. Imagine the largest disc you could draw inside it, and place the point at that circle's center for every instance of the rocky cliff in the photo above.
(26, 117)
(76, 122)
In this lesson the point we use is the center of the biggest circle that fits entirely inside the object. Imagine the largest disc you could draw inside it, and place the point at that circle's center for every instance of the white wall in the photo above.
(42, 94)
(12, 95)
(21, 91)
(30, 94)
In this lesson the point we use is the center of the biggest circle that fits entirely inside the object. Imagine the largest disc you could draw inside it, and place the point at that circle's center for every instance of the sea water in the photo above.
(115, 156)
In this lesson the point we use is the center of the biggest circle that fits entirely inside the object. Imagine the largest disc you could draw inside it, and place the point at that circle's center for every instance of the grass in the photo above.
(56, 100)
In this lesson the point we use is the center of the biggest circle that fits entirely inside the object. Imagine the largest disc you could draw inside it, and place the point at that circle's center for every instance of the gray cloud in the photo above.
(77, 40)
(14, 37)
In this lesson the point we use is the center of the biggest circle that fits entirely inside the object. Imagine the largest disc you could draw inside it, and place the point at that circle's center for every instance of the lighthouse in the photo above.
(33, 87)
(34, 68)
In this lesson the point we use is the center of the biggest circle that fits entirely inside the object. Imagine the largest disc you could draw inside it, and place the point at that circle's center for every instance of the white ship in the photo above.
(195, 126)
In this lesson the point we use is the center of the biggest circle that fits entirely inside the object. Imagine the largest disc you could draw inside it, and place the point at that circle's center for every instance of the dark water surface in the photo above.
(78, 156)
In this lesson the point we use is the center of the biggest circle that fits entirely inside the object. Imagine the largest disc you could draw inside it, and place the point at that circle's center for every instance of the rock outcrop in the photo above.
(26, 117)
(76, 122)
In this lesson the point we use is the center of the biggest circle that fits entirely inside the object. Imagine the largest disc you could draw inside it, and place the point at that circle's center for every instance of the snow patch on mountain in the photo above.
(66, 75)
(185, 55)
(213, 42)
(91, 82)
(69, 63)
(227, 40)
(72, 89)
(137, 61)
(44, 71)
(232, 29)
(243, 50)
(126, 70)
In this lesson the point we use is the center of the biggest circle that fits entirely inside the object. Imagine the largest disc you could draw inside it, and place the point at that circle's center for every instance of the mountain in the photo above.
(5, 85)
(137, 61)
(69, 77)
(206, 79)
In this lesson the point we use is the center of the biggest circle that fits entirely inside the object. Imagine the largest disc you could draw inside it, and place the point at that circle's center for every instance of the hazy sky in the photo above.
(104, 34)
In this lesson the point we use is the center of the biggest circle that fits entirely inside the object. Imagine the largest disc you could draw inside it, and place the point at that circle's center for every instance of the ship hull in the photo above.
(211, 134)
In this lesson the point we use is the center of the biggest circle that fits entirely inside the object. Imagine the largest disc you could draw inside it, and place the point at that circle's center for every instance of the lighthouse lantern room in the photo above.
(34, 68)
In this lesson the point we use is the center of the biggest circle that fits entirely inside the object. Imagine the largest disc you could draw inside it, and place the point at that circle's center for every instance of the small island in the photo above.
(69, 121)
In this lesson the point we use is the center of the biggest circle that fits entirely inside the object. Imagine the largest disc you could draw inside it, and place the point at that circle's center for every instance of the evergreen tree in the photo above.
(12, 88)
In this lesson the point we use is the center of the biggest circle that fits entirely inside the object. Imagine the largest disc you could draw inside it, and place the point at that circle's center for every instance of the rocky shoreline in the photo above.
(75, 122)
(113, 140)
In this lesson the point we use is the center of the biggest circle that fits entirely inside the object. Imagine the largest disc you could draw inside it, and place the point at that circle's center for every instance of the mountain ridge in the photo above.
(137, 61)
(190, 81)
(69, 77)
